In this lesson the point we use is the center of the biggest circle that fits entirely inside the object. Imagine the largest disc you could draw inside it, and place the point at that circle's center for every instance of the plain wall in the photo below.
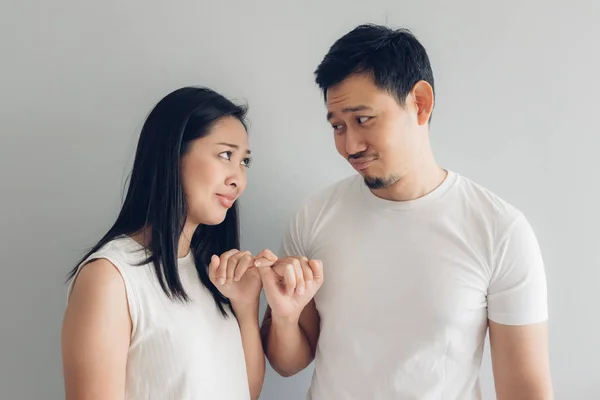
(517, 85)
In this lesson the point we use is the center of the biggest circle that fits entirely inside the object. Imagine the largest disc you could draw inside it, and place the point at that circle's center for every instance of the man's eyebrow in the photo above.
(350, 109)
(233, 146)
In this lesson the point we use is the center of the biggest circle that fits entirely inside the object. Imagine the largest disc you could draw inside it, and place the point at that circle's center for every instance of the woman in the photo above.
(165, 306)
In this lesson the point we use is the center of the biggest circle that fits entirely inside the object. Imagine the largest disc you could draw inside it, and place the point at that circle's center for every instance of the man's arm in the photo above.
(518, 314)
(520, 361)
(291, 325)
(290, 343)
(290, 329)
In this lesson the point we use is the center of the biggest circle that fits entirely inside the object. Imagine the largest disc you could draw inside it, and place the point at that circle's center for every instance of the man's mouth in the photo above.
(361, 164)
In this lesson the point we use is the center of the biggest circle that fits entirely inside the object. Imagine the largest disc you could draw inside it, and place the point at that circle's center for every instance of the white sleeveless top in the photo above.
(177, 351)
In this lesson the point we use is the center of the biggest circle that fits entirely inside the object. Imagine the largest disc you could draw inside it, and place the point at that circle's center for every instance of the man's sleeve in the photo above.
(517, 294)
(293, 235)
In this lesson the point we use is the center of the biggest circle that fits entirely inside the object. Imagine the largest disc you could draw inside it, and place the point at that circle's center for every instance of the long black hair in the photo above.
(155, 197)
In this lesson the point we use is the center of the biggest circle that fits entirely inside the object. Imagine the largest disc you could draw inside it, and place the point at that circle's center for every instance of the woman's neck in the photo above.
(144, 237)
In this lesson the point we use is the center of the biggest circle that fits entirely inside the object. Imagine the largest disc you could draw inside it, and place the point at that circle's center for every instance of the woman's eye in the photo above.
(226, 155)
(246, 162)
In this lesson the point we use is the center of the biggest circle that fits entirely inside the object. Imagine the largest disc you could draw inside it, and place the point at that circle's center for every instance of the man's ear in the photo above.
(422, 94)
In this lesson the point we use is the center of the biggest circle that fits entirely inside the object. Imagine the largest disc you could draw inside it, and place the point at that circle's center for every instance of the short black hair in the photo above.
(395, 58)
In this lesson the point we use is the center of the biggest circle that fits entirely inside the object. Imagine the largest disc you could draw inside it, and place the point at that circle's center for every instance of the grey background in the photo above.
(517, 85)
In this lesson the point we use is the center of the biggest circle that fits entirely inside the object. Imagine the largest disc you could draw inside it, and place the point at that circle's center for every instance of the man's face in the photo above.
(379, 137)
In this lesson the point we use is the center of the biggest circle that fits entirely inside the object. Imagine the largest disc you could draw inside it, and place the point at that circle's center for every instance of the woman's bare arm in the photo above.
(96, 334)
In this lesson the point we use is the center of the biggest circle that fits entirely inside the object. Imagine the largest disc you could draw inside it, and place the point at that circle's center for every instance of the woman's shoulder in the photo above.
(112, 261)
(99, 278)
(103, 280)
(124, 248)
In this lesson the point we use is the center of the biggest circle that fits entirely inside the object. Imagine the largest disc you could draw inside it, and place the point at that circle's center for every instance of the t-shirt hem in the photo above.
(506, 319)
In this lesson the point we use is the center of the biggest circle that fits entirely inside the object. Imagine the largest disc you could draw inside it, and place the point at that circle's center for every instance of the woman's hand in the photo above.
(235, 275)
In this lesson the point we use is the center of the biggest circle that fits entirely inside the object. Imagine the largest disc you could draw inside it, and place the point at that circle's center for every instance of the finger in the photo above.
(300, 286)
(222, 270)
(245, 262)
(232, 265)
(267, 275)
(263, 262)
(289, 277)
(213, 267)
(308, 274)
(267, 255)
(317, 270)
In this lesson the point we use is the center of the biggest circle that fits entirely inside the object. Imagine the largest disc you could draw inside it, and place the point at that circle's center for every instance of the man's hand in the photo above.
(289, 284)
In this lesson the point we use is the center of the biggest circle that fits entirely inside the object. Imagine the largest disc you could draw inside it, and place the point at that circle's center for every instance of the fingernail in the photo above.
(257, 263)
(308, 284)
(221, 281)
(300, 289)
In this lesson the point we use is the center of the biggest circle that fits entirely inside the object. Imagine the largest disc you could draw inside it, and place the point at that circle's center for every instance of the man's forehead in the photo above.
(347, 97)
(344, 101)
(352, 93)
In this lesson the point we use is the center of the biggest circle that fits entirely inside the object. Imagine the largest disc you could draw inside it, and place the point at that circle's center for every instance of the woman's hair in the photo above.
(156, 199)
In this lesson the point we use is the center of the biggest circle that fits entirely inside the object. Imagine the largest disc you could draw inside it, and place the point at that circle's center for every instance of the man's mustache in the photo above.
(362, 155)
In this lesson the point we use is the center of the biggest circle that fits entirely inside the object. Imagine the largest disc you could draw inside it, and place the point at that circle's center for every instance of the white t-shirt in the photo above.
(409, 287)
(186, 351)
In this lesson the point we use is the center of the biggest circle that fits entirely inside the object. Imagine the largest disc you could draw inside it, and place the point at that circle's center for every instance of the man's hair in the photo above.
(395, 59)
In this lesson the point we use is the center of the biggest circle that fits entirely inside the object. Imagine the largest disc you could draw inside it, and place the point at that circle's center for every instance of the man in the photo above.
(418, 260)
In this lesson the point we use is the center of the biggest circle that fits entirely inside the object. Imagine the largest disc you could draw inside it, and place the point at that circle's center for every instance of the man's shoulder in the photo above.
(343, 189)
(319, 205)
(486, 205)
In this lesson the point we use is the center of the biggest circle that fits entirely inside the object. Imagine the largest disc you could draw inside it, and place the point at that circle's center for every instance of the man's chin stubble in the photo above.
(375, 183)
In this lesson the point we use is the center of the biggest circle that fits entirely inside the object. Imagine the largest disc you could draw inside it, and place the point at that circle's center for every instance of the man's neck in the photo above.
(414, 184)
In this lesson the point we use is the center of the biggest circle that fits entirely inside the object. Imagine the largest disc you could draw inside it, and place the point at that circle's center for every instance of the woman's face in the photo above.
(214, 171)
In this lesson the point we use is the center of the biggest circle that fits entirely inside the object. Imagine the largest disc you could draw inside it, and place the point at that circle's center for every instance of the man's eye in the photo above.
(362, 120)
